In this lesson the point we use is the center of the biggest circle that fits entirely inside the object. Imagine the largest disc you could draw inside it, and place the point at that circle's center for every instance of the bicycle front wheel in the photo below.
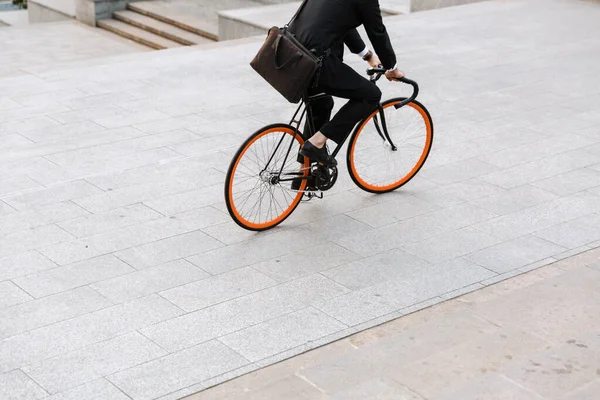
(374, 165)
(258, 190)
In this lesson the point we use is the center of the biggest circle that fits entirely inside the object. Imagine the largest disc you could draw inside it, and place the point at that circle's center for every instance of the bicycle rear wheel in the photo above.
(258, 190)
(372, 162)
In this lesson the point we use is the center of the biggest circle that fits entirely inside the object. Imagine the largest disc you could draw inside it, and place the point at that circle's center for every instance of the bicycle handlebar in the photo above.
(415, 85)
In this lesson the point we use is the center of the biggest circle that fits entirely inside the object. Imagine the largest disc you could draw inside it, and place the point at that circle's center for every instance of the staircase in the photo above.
(150, 29)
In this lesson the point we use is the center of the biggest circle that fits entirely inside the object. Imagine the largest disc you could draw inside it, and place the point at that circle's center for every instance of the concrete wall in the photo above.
(231, 28)
(90, 11)
(41, 13)
(423, 5)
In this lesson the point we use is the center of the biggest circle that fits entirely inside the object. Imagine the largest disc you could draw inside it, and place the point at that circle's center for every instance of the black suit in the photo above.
(329, 24)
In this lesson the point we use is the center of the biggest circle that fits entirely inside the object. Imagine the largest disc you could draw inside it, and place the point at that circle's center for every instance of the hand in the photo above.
(394, 74)
(374, 62)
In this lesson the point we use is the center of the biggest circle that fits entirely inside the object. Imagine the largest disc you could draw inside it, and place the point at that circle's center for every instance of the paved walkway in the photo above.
(122, 275)
(532, 337)
(40, 45)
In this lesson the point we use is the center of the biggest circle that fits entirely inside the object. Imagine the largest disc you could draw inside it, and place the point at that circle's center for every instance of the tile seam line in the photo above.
(62, 320)
(83, 348)
(131, 247)
(34, 381)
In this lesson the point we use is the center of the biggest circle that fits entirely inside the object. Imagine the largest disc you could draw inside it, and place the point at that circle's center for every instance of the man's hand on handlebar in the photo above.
(394, 74)
(374, 61)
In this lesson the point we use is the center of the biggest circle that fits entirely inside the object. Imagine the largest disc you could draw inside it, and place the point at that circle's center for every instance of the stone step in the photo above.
(244, 22)
(197, 16)
(137, 35)
(190, 23)
(160, 28)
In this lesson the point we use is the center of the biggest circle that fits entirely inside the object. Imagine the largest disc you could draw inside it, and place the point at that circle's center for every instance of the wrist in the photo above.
(368, 56)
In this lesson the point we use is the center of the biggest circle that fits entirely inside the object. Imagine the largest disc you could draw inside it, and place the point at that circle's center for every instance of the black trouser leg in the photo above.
(340, 80)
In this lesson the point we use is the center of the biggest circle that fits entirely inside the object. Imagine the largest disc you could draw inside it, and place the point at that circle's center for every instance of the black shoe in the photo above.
(320, 155)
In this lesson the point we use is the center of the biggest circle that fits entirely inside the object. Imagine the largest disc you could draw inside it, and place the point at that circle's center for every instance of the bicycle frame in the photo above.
(305, 110)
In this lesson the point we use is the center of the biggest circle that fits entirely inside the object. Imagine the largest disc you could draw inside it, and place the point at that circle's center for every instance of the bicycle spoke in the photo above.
(255, 192)
(376, 164)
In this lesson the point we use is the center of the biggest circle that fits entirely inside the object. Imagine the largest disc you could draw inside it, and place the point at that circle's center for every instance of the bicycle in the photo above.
(258, 185)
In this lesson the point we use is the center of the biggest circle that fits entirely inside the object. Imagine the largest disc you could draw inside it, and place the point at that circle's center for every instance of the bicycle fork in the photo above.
(384, 135)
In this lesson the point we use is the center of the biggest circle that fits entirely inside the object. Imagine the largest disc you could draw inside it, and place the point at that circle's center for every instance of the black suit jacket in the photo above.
(326, 24)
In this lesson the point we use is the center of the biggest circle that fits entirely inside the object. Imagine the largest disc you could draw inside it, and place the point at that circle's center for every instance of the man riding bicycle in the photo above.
(325, 26)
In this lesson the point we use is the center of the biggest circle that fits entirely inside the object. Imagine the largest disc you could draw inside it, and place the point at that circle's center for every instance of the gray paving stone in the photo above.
(112, 153)
(170, 204)
(170, 124)
(69, 370)
(218, 289)
(470, 189)
(458, 171)
(451, 245)
(38, 313)
(366, 304)
(177, 371)
(540, 169)
(281, 334)
(17, 184)
(574, 233)
(15, 385)
(397, 209)
(59, 279)
(23, 241)
(541, 216)
(375, 269)
(536, 151)
(97, 101)
(164, 171)
(54, 194)
(571, 182)
(119, 239)
(23, 264)
(24, 167)
(63, 131)
(50, 214)
(252, 251)
(63, 337)
(91, 167)
(99, 389)
(30, 124)
(130, 118)
(514, 254)
(231, 316)
(412, 230)
(302, 262)
(151, 280)
(91, 224)
(169, 249)
(95, 113)
(11, 295)
(5, 208)
(147, 192)
(512, 200)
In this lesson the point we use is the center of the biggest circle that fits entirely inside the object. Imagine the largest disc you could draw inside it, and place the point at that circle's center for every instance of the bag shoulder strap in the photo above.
(297, 13)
